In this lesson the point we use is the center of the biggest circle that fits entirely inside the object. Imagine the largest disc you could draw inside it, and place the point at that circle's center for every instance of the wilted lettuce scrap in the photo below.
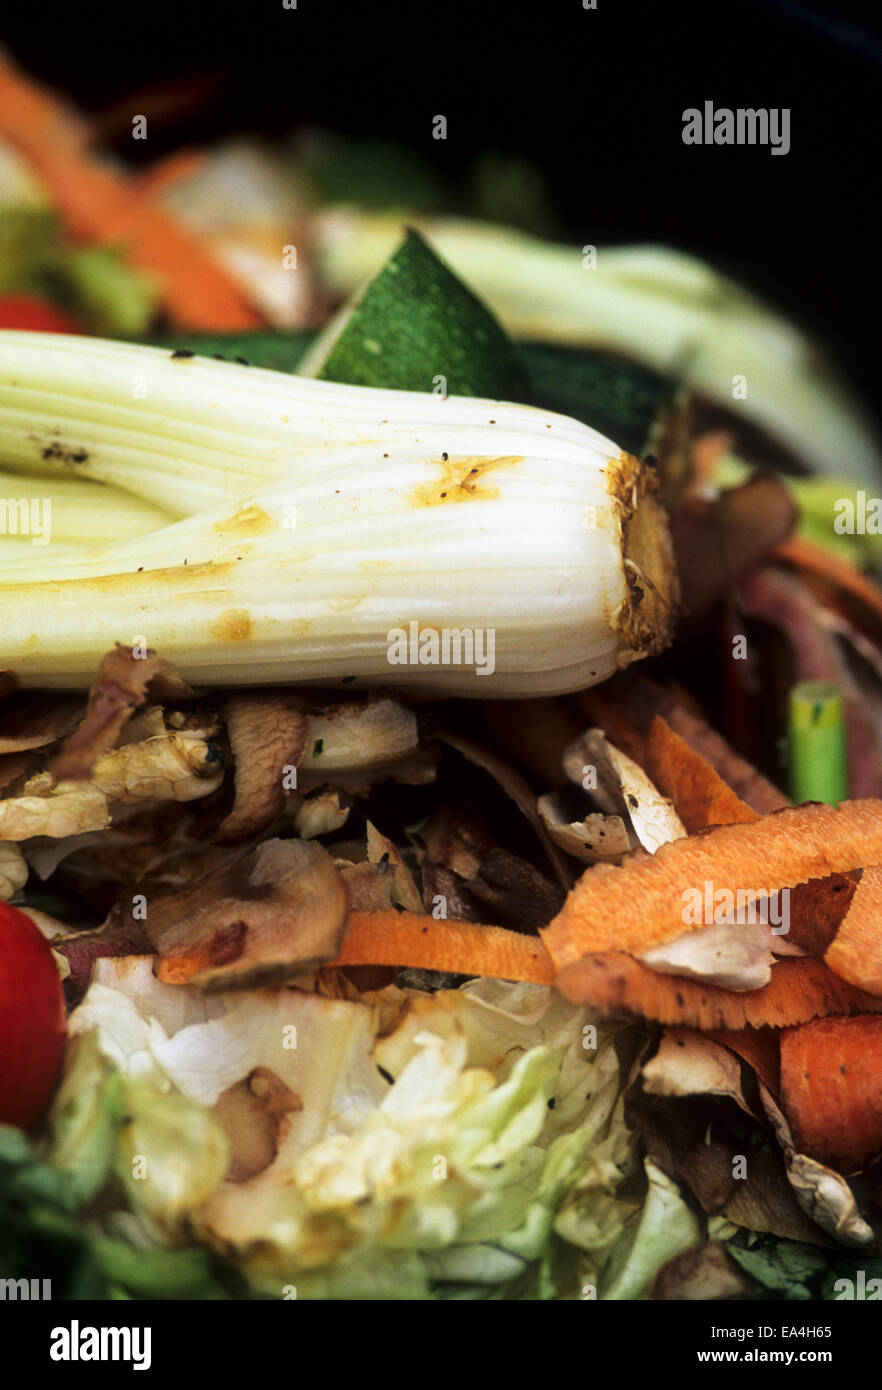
(424, 1146)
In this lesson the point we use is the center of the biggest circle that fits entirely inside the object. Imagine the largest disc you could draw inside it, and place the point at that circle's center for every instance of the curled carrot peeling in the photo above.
(799, 990)
(425, 943)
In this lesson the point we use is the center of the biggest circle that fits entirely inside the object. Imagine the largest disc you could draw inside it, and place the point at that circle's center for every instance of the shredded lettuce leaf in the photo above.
(465, 1144)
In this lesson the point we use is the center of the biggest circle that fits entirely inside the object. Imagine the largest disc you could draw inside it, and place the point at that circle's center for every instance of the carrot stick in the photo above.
(831, 1089)
(425, 943)
(800, 989)
(165, 173)
(643, 902)
(98, 204)
(808, 555)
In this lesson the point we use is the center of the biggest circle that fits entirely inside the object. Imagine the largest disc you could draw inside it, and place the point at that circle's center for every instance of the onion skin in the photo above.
(32, 1019)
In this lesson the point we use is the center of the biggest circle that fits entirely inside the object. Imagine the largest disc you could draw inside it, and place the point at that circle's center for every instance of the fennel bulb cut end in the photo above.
(648, 611)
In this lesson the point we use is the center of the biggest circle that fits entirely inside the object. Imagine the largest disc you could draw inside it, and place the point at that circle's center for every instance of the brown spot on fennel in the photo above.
(233, 625)
(250, 521)
(462, 480)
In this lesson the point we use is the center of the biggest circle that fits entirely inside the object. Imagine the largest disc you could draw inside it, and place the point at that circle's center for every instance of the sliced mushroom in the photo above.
(260, 920)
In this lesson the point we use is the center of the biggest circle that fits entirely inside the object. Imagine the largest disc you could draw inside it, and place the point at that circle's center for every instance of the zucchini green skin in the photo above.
(616, 397)
(278, 350)
(416, 327)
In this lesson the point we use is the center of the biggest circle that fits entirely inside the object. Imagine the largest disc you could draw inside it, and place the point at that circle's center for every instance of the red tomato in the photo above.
(26, 311)
(32, 1019)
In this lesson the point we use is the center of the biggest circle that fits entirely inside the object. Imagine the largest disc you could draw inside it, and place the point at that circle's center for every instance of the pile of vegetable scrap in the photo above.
(393, 845)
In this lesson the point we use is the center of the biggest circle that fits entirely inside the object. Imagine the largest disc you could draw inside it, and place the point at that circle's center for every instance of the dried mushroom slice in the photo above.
(268, 916)
(268, 734)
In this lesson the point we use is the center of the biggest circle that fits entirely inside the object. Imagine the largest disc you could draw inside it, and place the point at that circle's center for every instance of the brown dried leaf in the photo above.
(704, 1273)
(823, 1195)
(8, 684)
(122, 685)
(623, 788)
(625, 707)
(688, 1063)
(258, 921)
(518, 894)
(455, 837)
(33, 719)
(515, 788)
(441, 882)
(594, 839)
(758, 1047)
(15, 765)
(381, 851)
(698, 1139)
(268, 733)
(716, 541)
(151, 847)
(535, 733)
(462, 864)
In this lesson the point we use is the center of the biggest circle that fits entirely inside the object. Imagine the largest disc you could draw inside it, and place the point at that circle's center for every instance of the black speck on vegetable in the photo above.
(183, 352)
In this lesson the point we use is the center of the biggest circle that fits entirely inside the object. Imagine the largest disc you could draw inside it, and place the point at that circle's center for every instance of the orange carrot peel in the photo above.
(799, 990)
(640, 903)
(423, 942)
(831, 1089)
(856, 950)
(96, 203)
(700, 796)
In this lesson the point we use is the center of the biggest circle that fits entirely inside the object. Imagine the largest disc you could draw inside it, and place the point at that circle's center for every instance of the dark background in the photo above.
(593, 97)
